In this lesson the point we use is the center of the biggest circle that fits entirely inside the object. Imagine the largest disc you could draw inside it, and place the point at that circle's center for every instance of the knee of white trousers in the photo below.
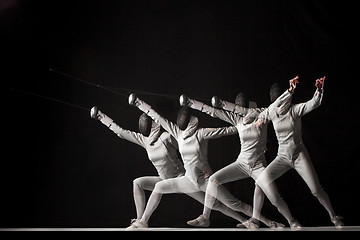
(137, 183)
(263, 181)
(214, 181)
(162, 187)
(217, 206)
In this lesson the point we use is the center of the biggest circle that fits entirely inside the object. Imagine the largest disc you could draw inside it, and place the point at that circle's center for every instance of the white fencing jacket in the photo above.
(160, 146)
(252, 138)
(288, 126)
(193, 142)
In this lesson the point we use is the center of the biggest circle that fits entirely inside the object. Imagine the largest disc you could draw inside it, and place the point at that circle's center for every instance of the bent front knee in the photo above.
(137, 183)
(214, 181)
(263, 181)
(162, 187)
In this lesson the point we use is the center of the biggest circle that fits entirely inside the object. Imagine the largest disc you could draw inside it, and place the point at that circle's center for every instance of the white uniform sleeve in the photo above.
(214, 112)
(304, 108)
(170, 127)
(282, 99)
(228, 106)
(133, 137)
(232, 117)
(231, 107)
(264, 115)
(212, 133)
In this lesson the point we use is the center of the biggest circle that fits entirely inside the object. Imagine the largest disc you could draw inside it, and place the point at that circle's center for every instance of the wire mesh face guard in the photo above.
(275, 91)
(183, 118)
(145, 123)
(242, 100)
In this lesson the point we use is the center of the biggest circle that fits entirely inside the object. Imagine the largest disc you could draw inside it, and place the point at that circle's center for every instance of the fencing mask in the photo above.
(145, 123)
(183, 117)
(242, 100)
(275, 91)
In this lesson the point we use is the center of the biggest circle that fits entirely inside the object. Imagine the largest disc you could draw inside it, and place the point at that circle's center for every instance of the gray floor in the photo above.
(345, 228)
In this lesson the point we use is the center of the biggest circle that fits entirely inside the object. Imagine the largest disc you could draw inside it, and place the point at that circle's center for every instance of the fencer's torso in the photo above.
(194, 149)
(164, 157)
(162, 153)
(193, 145)
(288, 126)
(252, 138)
(193, 152)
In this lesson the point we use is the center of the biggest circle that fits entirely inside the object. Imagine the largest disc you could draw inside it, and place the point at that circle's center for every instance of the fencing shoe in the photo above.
(295, 225)
(337, 221)
(276, 225)
(201, 221)
(137, 224)
(252, 224)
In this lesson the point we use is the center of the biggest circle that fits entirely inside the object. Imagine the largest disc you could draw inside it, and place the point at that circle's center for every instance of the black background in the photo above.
(60, 168)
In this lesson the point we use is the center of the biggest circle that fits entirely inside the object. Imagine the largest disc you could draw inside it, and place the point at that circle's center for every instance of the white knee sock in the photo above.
(151, 205)
(139, 199)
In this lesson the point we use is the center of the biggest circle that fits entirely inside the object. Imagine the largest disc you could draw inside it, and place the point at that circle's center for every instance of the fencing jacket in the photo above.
(288, 126)
(193, 143)
(160, 146)
(252, 137)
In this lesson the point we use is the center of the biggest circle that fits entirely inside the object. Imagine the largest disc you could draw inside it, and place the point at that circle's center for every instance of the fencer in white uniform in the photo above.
(160, 146)
(251, 160)
(292, 153)
(193, 143)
